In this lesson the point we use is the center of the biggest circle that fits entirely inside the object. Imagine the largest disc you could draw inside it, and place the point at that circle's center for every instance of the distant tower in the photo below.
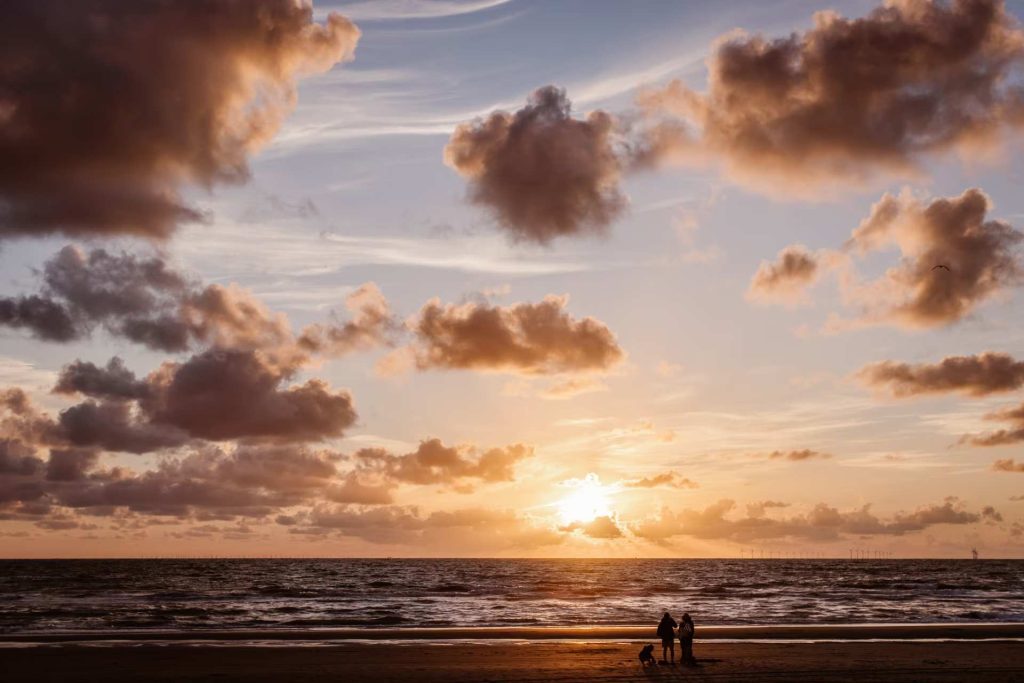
(974, 553)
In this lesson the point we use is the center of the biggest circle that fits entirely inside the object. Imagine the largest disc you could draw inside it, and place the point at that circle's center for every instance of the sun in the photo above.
(588, 501)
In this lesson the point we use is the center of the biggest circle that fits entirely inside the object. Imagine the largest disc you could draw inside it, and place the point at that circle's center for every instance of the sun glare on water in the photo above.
(588, 501)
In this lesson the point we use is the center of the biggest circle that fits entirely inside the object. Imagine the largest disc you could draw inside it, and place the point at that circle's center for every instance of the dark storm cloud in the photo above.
(848, 98)
(108, 108)
(980, 375)
(526, 338)
(543, 173)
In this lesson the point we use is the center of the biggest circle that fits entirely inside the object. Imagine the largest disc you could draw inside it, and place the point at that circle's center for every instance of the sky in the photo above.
(511, 278)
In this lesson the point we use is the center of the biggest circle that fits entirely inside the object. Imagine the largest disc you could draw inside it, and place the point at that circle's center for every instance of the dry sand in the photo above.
(463, 662)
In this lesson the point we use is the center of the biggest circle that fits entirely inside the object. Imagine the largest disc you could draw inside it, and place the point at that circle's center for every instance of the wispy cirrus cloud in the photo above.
(398, 10)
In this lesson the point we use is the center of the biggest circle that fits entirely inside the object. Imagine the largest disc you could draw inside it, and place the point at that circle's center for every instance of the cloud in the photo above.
(990, 513)
(115, 426)
(372, 325)
(979, 375)
(980, 258)
(481, 528)
(246, 482)
(434, 463)
(22, 421)
(759, 508)
(572, 387)
(524, 338)
(821, 523)
(45, 318)
(952, 260)
(542, 173)
(171, 94)
(837, 105)
(145, 300)
(603, 527)
(353, 490)
(785, 280)
(798, 455)
(110, 425)
(70, 464)
(18, 459)
(388, 524)
(1008, 465)
(114, 382)
(665, 479)
(1002, 437)
(230, 394)
(489, 529)
(207, 482)
(216, 395)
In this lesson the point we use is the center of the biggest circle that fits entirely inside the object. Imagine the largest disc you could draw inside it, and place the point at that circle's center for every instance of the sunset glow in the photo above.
(511, 279)
(587, 501)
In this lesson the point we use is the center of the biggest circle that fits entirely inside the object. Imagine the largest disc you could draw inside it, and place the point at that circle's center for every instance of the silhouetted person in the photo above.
(686, 631)
(667, 633)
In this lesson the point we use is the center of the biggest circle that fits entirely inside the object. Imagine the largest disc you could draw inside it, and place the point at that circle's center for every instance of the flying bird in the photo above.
(941, 265)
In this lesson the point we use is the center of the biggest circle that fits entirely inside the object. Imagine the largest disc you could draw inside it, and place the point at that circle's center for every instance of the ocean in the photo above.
(77, 595)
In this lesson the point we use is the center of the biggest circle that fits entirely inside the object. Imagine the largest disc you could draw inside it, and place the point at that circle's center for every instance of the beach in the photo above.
(462, 621)
(458, 662)
(975, 652)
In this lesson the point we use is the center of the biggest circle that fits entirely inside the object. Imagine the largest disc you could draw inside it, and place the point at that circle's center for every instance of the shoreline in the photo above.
(807, 633)
(533, 661)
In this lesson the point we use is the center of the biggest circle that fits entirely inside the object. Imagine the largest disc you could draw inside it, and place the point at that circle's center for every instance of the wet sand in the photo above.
(463, 662)
(892, 652)
(947, 631)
